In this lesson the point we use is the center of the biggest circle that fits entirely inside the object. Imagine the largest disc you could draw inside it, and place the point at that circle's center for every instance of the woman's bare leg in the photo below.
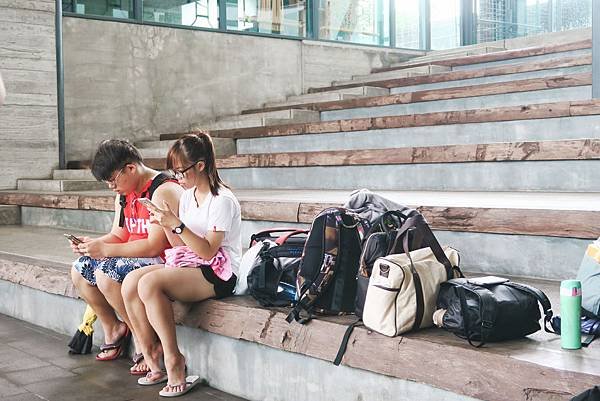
(142, 330)
(156, 290)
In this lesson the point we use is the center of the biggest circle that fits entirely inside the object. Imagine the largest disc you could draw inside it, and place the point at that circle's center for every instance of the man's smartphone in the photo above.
(73, 239)
(148, 204)
(487, 280)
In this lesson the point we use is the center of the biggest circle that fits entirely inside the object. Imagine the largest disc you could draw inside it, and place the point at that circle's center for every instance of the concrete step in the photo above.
(531, 59)
(10, 215)
(516, 68)
(526, 90)
(535, 365)
(287, 116)
(395, 74)
(523, 112)
(542, 129)
(73, 174)
(59, 185)
(157, 149)
(546, 233)
(341, 94)
(542, 73)
(444, 55)
(571, 88)
(497, 56)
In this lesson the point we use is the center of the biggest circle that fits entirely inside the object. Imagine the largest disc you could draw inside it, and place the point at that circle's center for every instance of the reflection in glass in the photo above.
(407, 23)
(286, 17)
(204, 13)
(107, 8)
(503, 19)
(358, 21)
(445, 24)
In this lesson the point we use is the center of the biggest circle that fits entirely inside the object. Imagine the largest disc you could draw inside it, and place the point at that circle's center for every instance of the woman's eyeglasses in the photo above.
(178, 174)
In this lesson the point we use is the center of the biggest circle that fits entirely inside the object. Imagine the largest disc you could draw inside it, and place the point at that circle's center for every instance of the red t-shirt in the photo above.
(137, 217)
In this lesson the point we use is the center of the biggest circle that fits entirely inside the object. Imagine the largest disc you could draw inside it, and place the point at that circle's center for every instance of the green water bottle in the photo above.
(570, 311)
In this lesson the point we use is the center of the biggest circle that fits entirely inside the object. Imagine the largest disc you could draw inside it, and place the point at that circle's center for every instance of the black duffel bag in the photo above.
(488, 309)
(272, 277)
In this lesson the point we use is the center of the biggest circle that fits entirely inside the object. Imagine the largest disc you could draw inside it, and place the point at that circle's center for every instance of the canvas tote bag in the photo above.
(403, 290)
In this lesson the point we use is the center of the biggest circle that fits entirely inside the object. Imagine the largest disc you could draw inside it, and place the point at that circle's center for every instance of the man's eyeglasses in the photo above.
(178, 174)
(113, 182)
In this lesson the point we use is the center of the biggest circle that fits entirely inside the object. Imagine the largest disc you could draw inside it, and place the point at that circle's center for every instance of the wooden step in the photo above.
(525, 85)
(533, 368)
(564, 62)
(547, 214)
(524, 112)
(495, 56)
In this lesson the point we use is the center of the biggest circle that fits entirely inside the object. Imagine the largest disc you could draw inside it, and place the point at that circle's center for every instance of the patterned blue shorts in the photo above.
(115, 268)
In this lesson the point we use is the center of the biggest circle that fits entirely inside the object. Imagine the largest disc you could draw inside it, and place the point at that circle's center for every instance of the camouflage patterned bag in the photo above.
(327, 278)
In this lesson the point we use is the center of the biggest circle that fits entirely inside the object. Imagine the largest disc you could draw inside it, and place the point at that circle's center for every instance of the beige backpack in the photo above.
(403, 290)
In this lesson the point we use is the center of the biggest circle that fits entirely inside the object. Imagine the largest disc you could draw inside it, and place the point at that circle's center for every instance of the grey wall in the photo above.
(138, 81)
(28, 119)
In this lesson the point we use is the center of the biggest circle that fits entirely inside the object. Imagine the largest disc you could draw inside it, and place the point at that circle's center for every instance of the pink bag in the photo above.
(183, 256)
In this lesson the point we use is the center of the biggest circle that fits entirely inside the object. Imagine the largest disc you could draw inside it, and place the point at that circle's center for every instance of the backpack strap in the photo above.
(542, 299)
(486, 310)
(345, 339)
(156, 182)
(314, 287)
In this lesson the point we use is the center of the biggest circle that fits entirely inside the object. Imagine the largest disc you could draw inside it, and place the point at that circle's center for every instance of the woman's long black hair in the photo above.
(193, 148)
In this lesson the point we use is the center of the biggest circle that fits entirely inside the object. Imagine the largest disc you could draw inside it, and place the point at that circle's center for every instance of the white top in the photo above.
(216, 213)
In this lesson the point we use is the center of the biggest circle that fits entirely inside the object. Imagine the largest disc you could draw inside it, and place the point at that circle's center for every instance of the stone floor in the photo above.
(35, 365)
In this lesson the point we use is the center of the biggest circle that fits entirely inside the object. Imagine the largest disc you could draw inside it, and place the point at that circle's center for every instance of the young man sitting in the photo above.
(132, 242)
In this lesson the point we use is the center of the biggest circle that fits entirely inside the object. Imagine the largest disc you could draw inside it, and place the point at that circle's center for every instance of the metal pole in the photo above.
(467, 23)
(60, 87)
(596, 49)
(138, 10)
(222, 15)
(392, 23)
(313, 19)
(424, 25)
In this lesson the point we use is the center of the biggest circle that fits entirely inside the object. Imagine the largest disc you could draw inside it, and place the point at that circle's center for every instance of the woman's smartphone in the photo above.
(148, 204)
(73, 239)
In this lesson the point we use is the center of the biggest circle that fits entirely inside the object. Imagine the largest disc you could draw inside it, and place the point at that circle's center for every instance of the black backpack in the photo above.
(272, 277)
(394, 226)
(592, 394)
(327, 278)
(156, 182)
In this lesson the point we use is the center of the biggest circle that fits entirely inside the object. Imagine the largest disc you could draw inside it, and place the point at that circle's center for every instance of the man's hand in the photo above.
(75, 247)
(92, 248)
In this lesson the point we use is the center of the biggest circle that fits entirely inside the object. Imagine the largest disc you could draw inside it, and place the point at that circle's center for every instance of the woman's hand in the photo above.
(164, 217)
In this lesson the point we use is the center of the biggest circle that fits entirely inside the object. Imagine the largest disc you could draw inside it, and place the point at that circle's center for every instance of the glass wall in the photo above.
(357, 21)
(408, 23)
(445, 24)
(286, 17)
(204, 13)
(504, 19)
(105, 8)
(416, 24)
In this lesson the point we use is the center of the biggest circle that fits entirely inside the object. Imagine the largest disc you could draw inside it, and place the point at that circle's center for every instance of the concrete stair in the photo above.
(500, 153)
(334, 95)
(287, 116)
(546, 233)
(35, 286)
(59, 185)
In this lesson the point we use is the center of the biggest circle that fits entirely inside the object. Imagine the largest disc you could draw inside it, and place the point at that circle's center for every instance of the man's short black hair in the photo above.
(113, 155)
